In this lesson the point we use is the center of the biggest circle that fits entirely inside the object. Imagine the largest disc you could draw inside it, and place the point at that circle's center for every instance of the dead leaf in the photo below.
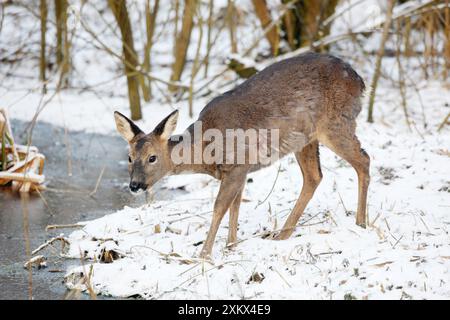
(380, 265)
(442, 152)
(173, 230)
(256, 277)
(176, 255)
(108, 256)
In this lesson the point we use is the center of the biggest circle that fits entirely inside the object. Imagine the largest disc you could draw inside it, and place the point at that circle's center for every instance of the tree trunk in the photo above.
(447, 39)
(66, 63)
(289, 26)
(177, 17)
(62, 38)
(61, 28)
(311, 11)
(150, 19)
(208, 42)
(119, 9)
(263, 14)
(302, 25)
(182, 41)
(43, 61)
(326, 11)
(231, 19)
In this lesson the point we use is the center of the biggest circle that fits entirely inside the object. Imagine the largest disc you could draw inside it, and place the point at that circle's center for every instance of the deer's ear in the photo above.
(166, 127)
(127, 129)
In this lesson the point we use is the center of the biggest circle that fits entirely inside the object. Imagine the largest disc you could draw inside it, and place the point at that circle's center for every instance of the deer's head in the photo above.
(149, 156)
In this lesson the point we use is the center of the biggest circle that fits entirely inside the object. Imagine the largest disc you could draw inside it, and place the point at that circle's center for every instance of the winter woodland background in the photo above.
(72, 63)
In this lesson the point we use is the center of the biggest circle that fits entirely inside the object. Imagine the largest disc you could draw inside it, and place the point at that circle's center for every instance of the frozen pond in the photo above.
(67, 201)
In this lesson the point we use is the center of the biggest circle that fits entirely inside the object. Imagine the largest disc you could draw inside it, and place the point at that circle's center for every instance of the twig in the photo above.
(34, 261)
(380, 55)
(68, 150)
(331, 252)
(304, 222)
(249, 49)
(98, 182)
(87, 278)
(342, 202)
(444, 122)
(271, 190)
(376, 218)
(44, 201)
(49, 242)
(393, 247)
(24, 199)
(172, 256)
(281, 276)
(387, 225)
(202, 273)
(195, 65)
(149, 75)
(63, 226)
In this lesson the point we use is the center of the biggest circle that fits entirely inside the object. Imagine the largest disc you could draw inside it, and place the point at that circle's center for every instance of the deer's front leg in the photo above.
(231, 185)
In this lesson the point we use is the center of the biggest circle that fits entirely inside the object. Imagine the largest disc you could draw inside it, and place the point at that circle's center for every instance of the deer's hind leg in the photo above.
(234, 215)
(309, 162)
(347, 146)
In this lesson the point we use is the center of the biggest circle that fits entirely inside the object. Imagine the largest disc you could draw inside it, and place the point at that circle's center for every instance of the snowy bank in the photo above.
(403, 254)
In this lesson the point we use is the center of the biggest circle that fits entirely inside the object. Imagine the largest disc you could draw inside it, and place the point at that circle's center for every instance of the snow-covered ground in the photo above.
(403, 254)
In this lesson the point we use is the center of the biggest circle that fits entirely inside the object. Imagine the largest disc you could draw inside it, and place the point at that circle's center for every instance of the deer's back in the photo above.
(294, 96)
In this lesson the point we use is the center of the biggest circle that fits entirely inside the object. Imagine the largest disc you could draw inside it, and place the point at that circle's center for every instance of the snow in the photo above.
(403, 254)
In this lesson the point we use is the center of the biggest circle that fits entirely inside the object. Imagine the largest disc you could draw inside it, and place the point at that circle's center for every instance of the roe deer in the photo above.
(309, 98)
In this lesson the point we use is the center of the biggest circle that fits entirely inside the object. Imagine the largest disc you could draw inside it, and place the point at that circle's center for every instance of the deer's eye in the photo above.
(129, 159)
(152, 159)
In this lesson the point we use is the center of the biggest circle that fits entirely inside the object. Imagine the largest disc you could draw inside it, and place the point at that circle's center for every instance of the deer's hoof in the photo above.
(205, 255)
(361, 224)
(231, 245)
(280, 236)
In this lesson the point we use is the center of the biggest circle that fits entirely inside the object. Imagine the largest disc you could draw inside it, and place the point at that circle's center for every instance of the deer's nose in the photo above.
(135, 186)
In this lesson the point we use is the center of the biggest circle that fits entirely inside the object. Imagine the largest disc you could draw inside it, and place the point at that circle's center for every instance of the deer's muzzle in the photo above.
(136, 186)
